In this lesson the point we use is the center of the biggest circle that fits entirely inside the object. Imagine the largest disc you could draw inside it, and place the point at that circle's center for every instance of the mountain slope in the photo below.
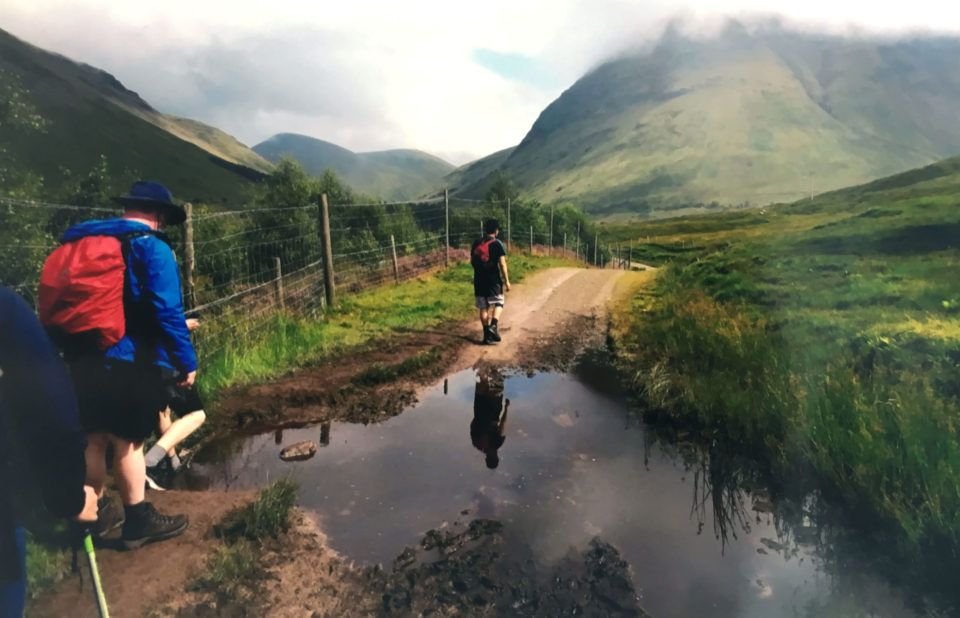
(469, 179)
(87, 113)
(745, 117)
(390, 174)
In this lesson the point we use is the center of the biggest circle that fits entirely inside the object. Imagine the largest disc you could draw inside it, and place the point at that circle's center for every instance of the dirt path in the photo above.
(542, 309)
(137, 582)
(547, 319)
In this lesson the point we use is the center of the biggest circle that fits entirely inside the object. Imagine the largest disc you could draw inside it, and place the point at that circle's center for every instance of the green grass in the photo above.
(824, 337)
(232, 567)
(288, 342)
(46, 565)
(267, 517)
(381, 373)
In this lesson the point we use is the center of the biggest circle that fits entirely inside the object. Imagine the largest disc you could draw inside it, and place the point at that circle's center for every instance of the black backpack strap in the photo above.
(132, 312)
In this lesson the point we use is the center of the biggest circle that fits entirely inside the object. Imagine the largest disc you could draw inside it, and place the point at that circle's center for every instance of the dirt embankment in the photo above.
(547, 321)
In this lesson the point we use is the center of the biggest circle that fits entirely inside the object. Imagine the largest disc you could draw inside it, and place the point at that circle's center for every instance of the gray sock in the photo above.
(175, 461)
(155, 455)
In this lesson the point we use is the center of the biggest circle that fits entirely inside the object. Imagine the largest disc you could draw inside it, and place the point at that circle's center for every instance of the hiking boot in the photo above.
(154, 527)
(486, 336)
(155, 476)
(109, 517)
(494, 333)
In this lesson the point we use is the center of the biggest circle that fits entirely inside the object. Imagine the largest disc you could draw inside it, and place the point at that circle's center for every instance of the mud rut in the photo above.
(548, 320)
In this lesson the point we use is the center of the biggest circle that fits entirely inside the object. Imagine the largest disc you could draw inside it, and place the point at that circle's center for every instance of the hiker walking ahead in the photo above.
(110, 295)
(489, 257)
(41, 443)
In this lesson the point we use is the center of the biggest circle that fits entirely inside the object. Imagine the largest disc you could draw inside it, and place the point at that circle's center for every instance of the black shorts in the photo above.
(181, 400)
(120, 398)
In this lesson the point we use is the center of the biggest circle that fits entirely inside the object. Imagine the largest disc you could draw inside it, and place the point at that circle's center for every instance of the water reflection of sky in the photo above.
(572, 467)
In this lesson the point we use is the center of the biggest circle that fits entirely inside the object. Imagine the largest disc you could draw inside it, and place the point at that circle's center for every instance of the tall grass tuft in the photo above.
(268, 516)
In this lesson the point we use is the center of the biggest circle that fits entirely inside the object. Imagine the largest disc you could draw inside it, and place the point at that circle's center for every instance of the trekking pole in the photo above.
(95, 575)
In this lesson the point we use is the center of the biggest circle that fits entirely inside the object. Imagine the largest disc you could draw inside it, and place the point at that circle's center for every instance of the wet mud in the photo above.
(473, 573)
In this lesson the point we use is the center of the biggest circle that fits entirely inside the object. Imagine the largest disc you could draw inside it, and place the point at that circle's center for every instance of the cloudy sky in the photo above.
(457, 79)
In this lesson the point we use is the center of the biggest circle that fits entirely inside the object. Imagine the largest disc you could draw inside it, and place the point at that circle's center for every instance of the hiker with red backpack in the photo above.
(488, 257)
(110, 296)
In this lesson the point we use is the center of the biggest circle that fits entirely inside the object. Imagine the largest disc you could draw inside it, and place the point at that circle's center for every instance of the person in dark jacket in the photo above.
(41, 441)
(122, 391)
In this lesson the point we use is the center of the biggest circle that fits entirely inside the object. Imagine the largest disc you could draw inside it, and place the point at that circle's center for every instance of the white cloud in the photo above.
(375, 75)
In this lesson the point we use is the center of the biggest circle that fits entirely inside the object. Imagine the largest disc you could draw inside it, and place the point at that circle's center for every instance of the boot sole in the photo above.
(102, 533)
(130, 544)
(153, 485)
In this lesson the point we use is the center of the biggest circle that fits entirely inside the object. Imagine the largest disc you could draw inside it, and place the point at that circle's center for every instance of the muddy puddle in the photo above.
(570, 464)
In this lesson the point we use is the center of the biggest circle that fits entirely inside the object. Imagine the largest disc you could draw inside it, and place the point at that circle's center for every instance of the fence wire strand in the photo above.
(253, 265)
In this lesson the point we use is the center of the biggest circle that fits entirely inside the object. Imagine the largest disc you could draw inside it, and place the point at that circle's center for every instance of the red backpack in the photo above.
(481, 252)
(82, 288)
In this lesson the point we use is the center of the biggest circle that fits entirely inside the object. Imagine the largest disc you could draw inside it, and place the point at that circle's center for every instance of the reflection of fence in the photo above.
(244, 268)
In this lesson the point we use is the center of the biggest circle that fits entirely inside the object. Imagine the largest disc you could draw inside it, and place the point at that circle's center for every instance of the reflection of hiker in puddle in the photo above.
(489, 425)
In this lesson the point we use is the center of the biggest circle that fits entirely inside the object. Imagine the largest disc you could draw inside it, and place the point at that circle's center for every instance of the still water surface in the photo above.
(574, 464)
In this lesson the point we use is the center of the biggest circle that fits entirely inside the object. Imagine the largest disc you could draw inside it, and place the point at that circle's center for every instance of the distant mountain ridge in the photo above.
(749, 116)
(87, 113)
(390, 174)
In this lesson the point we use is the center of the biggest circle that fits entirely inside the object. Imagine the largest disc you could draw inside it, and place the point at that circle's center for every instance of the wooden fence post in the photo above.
(531, 240)
(328, 281)
(578, 239)
(396, 267)
(551, 230)
(564, 242)
(278, 274)
(446, 211)
(189, 261)
(508, 224)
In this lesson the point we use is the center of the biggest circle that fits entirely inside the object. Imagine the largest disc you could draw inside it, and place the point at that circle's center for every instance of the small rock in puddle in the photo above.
(299, 451)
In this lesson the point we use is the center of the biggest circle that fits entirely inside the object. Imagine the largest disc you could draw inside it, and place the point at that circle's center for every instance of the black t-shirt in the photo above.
(485, 427)
(485, 257)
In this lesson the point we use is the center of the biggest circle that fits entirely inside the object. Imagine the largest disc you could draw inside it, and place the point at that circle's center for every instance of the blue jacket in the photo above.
(41, 442)
(160, 335)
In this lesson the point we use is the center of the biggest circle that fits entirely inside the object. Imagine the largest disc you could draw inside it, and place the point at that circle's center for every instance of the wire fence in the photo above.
(242, 269)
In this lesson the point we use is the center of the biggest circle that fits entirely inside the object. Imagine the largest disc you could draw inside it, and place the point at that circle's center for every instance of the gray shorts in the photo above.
(485, 302)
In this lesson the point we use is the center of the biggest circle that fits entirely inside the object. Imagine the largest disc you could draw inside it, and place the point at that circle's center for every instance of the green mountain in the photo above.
(744, 117)
(469, 179)
(390, 174)
(82, 113)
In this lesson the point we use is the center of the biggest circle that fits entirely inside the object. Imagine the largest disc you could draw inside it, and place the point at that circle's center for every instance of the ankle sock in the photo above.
(494, 322)
(154, 456)
(136, 515)
(175, 462)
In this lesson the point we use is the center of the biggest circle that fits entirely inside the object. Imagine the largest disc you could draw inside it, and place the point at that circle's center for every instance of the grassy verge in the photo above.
(824, 339)
(285, 342)
(233, 567)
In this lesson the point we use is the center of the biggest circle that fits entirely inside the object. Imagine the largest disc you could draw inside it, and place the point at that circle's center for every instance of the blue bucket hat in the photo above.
(146, 194)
